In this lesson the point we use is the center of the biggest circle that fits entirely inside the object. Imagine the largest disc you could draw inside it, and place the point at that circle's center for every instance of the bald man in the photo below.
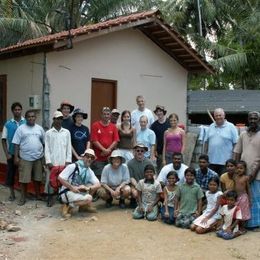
(221, 138)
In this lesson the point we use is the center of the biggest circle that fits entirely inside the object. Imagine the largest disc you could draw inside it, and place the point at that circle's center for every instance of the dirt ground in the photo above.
(108, 234)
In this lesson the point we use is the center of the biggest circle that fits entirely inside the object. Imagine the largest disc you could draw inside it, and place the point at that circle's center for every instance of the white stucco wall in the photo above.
(24, 78)
(139, 66)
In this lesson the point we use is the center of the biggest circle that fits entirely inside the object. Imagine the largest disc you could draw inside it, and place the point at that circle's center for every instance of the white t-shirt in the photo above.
(229, 216)
(169, 167)
(30, 140)
(136, 114)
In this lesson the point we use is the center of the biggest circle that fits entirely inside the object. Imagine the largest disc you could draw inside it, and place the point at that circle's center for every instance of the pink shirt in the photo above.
(173, 142)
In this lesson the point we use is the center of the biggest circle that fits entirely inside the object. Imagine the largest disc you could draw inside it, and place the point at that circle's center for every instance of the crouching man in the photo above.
(79, 184)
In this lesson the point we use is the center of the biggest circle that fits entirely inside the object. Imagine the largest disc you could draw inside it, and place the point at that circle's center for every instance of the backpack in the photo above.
(54, 174)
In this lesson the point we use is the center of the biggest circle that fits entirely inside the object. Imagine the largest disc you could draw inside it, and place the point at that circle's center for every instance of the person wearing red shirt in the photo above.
(104, 138)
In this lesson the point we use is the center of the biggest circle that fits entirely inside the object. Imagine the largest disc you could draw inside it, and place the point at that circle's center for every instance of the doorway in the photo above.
(103, 94)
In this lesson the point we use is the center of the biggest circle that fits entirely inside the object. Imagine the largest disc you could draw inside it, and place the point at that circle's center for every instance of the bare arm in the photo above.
(206, 148)
(164, 149)
(237, 156)
(199, 207)
(183, 141)
(4, 144)
(16, 153)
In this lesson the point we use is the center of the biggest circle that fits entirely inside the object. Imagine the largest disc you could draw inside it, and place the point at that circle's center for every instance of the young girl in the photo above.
(174, 139)
(167, 210)
(207, 221)
(231, 216)
(227, 179)
(243, 191)
(148, 195)
(127, 135)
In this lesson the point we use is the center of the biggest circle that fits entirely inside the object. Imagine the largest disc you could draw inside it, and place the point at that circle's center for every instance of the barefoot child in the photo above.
(188, 202)
(167, 210)
(227, 179)
(207, 221)
(231, 216)
(243, 191)
(149, 191)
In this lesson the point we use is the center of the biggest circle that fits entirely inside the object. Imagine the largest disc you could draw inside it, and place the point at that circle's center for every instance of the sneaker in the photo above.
(122, 204)
(66, 211)
(109, 203)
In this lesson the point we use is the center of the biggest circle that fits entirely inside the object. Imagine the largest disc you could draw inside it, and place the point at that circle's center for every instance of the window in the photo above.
(2, 100)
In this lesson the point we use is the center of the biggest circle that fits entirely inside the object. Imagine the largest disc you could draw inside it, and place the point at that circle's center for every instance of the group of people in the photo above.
(140, 159)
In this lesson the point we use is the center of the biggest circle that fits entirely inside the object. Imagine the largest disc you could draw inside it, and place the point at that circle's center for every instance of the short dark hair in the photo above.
(173, 173)
(242, 163)
(232, 161)
(204, 157)
(231, 194)
(16, 104)
(176, 154)
(29, 111)
(190, 170)
(149, 167)
(214, 179)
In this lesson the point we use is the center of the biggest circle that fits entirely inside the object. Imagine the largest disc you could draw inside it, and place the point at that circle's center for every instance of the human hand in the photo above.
(149, 209)
(176, 212)
(166, 215)
(204, 221)
(75, 189)
(8, 156)
(16, 161)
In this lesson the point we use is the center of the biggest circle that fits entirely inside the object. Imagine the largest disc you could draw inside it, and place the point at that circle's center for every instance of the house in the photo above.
(236, 104)
(104, 64)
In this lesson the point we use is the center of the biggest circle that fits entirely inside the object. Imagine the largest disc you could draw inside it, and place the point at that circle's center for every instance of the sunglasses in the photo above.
(139, 151)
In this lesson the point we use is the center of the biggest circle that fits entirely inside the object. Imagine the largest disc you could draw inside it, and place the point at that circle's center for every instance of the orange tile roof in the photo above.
(81, 30)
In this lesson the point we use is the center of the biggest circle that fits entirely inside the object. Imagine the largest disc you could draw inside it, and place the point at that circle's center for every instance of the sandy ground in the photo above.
(113, 234)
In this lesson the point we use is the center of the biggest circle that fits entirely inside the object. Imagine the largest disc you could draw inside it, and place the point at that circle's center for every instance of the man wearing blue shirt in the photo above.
(220, 139)
(7, 137)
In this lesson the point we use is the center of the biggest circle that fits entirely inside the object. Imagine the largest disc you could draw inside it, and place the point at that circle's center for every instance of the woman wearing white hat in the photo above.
(114, 180)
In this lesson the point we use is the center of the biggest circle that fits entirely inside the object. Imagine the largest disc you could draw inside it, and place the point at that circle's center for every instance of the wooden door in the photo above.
(103, 94)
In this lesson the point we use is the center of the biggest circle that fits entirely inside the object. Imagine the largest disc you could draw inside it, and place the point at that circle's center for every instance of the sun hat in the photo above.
(89, 152)
(79, 111)
(66, 103)
(159, 107)
(116, 153)
(57, 114)
(140, 145)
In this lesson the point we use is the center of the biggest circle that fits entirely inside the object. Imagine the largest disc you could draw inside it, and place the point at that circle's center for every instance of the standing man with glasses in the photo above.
(136, 169)
(104, 139)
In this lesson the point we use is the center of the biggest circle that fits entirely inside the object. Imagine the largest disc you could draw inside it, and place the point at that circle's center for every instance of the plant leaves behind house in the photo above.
(230, 30)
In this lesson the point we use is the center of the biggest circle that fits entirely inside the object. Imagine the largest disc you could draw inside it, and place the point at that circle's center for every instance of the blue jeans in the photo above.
(170, 219)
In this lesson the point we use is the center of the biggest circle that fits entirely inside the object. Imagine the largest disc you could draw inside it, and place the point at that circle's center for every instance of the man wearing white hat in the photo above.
(57, 150)
(79, 184)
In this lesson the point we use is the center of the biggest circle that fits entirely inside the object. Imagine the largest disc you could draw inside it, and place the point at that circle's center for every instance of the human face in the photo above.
(78, 119)
(143, 122)
(148, 175)
(88, 159)
(105, 116)
(203, 164)
(173, 122)
(213, 187)
(172, 180)
(253, 121)
(17, 112)
(241, 169)
(219, 117)
(231, 168)
(231, 202)
(116, 162)
(176, 160)
(139, 153)
(159, 113)
(65, 110)
(57, 122)
(189, 178)
(114, 118)
(126, 118)
(30, 118)
(140, 103)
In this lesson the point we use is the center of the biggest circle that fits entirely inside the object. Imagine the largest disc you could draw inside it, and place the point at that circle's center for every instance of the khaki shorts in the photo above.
(29, 170)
